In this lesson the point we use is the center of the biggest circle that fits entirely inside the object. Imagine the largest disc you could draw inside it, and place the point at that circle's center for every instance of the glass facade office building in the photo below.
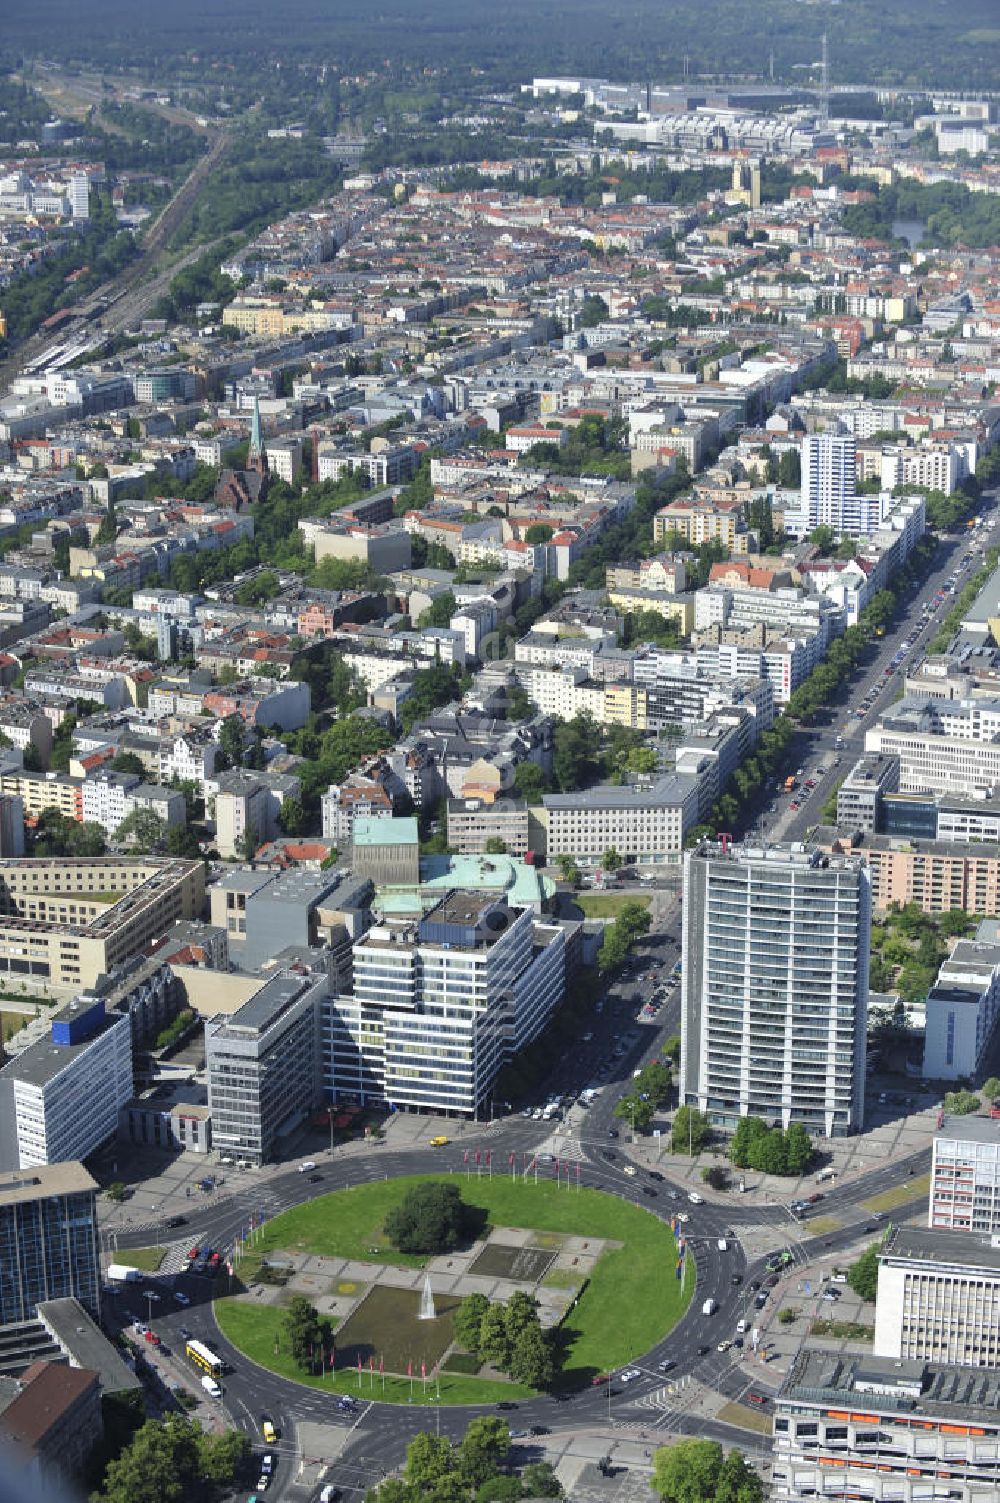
(48, 1240)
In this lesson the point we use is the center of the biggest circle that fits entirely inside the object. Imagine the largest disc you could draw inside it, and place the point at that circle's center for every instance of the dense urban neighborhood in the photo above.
(500, 757)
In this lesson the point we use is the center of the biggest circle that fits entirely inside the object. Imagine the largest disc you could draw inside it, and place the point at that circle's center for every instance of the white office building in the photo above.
(965, 1176)
(775, 986)
(60, 1098)
(938, 1298)
(440, 1004)
(646, 826)
(884, 1431)
(963, 1008)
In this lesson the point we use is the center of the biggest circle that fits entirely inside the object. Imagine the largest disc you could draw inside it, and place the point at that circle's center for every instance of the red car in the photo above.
(192, 1254)
(152, 1338)
(601, 1378)
(756, 1398)
(214, 1260)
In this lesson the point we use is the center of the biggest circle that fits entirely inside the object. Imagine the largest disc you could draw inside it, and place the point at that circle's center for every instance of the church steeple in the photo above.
(257, 454)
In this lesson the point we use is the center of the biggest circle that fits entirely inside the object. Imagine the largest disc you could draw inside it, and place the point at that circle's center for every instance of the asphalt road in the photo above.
(817, 745)
(380, 1432)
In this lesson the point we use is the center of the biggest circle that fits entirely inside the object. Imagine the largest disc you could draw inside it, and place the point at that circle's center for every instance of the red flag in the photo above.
(511, 1160)
(488, 1155)
(465, 1157)
(409, 1368)
(359, 1362)
(371, 1362)
(423, 1369)
(333, 1358)
(381, 1364)
(478, 1155)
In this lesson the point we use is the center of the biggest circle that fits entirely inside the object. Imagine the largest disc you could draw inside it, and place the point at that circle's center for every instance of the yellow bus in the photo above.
(202, 1356)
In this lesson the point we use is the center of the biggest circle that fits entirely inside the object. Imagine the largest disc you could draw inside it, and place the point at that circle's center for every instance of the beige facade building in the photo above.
(474, 821)
(66, 922)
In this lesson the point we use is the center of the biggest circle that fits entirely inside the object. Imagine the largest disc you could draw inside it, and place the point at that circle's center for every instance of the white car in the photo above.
(629, 1169)
(304, 1168)
(629, 1375)
(695, 1198)
(683, 1216)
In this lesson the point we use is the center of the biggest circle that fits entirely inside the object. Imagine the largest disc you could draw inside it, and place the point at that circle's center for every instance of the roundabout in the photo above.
(608, 1278)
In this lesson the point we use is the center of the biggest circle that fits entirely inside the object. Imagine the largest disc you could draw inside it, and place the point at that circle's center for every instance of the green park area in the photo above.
(606, 905)
(629, 1299)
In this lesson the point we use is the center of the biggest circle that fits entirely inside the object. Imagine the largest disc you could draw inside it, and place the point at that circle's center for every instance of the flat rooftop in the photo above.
(891, 1387)
(971, 1129)
(675, 788)
(368, 832)
(19, 1186)
(44, 1060)
(77, 1334)
(266, 1006)
(924, 1244)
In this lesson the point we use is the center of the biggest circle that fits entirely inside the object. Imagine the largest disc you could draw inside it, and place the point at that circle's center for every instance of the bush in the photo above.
(863, 1274)
(961, 1103)
(787, 1316)
(431, 1218)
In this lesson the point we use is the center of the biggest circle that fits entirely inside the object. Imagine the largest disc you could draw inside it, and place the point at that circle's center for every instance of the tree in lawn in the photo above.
(531, 1358)
(611, 861)
(494, 1342)
(430, 1219)
(468, 1321)
(303, 1331)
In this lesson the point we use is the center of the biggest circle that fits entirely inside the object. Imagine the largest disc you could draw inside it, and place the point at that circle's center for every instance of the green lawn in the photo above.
(607, 904)
(899, 1195)
(146, 1258)
(256, 1330)
(631, 1300)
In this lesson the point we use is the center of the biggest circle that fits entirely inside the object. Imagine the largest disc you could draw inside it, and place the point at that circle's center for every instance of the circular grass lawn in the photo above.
(631, 1299)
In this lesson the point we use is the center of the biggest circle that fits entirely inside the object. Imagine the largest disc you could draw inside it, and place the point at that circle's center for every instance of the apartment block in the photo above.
(440, 1005)
(774, 998)
(646, 826)
(264, 1066)
(48, 1240)
(885, 1431)
(938, 1298)
(965, 1176)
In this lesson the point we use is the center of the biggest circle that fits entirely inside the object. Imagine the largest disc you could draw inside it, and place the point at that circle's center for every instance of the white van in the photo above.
(723, 1245)
(211, 1387)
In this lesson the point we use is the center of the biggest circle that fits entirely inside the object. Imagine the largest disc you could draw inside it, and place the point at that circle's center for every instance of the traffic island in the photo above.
(607, 1276)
